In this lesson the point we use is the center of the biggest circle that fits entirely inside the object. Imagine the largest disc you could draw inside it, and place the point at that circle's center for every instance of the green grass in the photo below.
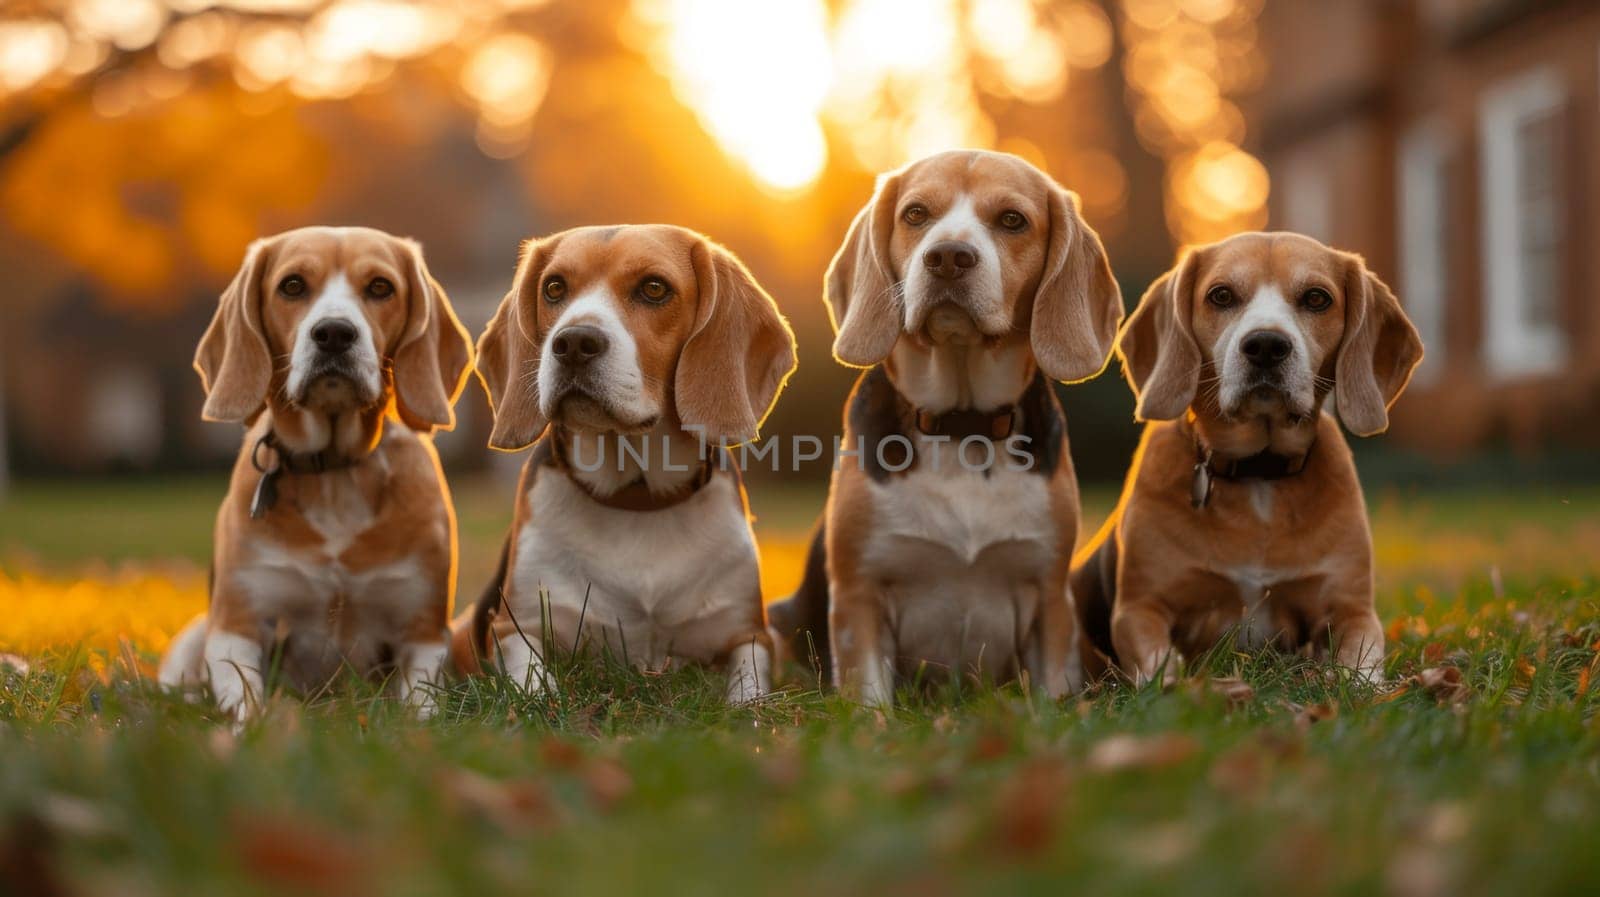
(1295, 781)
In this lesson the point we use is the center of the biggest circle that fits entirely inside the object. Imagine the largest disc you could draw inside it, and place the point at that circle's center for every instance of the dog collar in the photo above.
(1263, 465)
(958, 425)
(284, 461)
(635, 496)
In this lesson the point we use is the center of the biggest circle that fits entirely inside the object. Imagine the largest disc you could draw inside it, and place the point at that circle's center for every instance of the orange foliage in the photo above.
(132, 199)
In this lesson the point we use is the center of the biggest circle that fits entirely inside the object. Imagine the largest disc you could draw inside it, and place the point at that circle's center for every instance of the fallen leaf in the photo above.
(1239, 772)
(558, 753)
(1444, 683)
(1307, 715)
(510, 805)
(1236, 691)
(1123, 752)
(1029, 806)
(991, 745)
(299, 854)
(608, 783)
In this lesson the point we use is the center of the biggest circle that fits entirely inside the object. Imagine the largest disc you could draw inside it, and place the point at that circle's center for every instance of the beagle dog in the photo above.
(967, 284)
(335, 547)
(1242, 513)
(637, 352)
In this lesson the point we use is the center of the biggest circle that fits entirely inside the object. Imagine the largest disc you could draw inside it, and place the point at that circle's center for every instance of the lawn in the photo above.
(1476, 770)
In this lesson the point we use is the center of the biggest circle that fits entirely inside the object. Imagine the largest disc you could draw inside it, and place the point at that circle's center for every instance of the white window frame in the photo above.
(1512, 346)
(1422, 224)
(1307, 197)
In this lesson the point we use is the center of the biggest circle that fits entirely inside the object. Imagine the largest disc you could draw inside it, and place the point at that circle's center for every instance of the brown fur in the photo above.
(425, 354)
(1163, 575)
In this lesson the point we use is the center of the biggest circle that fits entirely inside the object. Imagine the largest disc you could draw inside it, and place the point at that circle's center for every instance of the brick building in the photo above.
(1454, 143)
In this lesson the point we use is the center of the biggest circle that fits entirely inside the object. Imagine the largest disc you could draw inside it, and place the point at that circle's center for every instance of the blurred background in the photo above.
(144, 143)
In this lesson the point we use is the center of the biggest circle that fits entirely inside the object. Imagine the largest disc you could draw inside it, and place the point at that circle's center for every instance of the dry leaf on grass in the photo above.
(607, 782)
(296, 853)
(992, 744)
(1029, 806)
(1307, 715)
(1123, 752)
(1236, 691)
(1444, 683)
(558, 753)
(510, 805)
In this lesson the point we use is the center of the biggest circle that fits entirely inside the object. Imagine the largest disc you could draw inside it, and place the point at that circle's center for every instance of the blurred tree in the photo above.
(144, 142)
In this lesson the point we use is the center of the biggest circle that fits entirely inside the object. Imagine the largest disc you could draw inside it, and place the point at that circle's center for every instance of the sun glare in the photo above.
(756, 74)
(786, 88)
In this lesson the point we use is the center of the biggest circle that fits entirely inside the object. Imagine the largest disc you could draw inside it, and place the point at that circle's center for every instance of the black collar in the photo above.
(278, 460)
(958, 425)
(1263, 465)
(634, 496)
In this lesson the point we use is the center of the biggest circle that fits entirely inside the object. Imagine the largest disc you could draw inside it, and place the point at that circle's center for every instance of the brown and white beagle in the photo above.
(637, 352)
(968, 283)
(335, 547)
(1242, 512)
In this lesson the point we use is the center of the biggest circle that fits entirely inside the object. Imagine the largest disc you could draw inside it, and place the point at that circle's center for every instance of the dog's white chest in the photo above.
(960, 519)
(324, 611)
(646, 584)
(961, 556)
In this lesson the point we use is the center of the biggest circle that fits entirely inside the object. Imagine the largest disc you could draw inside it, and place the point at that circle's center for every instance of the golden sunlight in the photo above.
(788, 89)
(756, 74)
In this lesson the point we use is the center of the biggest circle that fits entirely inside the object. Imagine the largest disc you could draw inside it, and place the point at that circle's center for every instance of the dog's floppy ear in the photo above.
(1157, 346)
(1379, 351)
(862, 293)
(233, 361)
(508, 357)
(739, 354)
(431, 363)
(1078, 304)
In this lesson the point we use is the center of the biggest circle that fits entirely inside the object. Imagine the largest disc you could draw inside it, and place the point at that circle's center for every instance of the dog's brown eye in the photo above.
(555, 288)
(380, 288)
(292, 286)
(654, 289)
(1316, 300)
(1221, 297)
(1013, 220)
(914, 214)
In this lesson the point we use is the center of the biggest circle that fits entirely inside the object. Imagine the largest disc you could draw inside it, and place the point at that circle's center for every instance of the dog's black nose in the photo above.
(949, 259)
(579, 344)
(334, 335)
(1266, 348)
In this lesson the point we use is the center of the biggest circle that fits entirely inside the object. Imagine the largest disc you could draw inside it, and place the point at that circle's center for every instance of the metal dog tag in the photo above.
(266, 494)
(1200, 486)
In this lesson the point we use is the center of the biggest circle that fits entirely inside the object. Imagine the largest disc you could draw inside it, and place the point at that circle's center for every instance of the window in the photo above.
(1307, 197)
(1522, 224)
(1424, 240)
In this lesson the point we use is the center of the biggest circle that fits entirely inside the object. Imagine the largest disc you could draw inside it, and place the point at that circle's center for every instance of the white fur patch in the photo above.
(615, 378)
(648, 587)
(965, 553)
(1267, 310)
(749, 673)
(982, 293)
(233, 665)
(337, 301)
(420, 663)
